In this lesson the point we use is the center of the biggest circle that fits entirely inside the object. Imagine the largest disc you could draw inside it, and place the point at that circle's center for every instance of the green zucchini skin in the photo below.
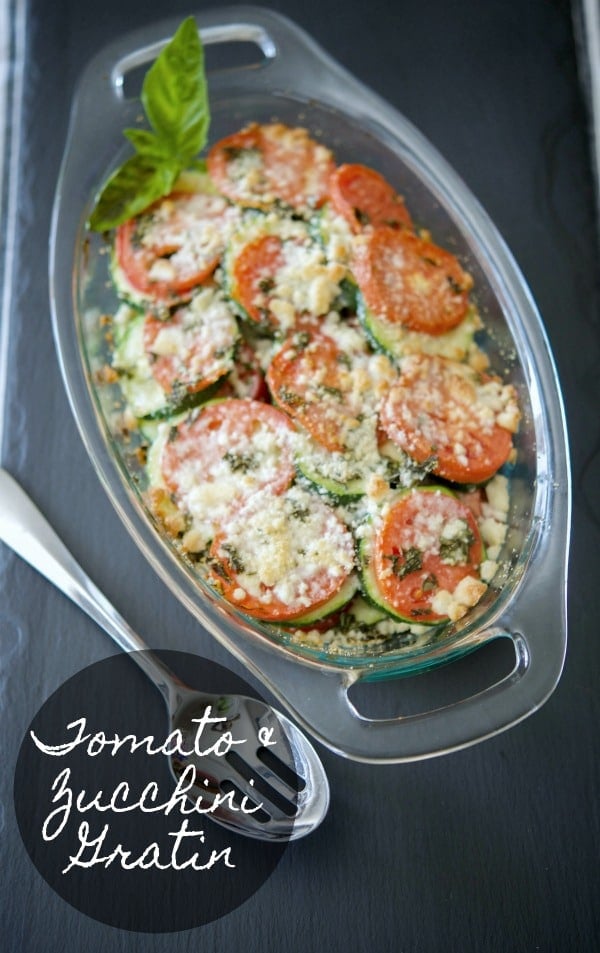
(392, 465)
(192, 181)
(142, 392)
(396, 341)
(364, 614)
(319, 227)
(368, 583)
(371, 590)
(131, 295)
(335, 604)
(347, 300)
(145, 397)
(259, 329)
(124, 289)
(336, 490)
(189, 402)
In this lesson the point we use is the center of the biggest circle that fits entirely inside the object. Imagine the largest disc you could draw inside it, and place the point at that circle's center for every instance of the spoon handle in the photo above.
(26, 531)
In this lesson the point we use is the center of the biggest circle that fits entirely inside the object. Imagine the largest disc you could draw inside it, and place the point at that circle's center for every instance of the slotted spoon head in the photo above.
(249, 768)
(255, 771)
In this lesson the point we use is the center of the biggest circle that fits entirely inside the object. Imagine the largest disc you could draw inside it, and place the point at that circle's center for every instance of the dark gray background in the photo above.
(492, 849)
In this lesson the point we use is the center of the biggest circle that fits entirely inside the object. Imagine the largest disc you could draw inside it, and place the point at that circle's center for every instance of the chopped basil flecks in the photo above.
(237, 563)
(234, 152)
(300, 512)
(332, 391)
(454, 550)
(429, 583)
(362, 217)
(301, 339)
(409, 560)
(240, 462)
(456, 288)
(266, 284)
(289, 397)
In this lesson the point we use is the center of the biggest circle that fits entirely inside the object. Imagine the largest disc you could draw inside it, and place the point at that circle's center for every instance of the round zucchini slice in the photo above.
(395, 340)
(335, 604)
(174, 364)
(342, 491)
(420, 561)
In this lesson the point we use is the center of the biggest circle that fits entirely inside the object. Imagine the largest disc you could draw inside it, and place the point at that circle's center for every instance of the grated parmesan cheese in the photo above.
(293, 544)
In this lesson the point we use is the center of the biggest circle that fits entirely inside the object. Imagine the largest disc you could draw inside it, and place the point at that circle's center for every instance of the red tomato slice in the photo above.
(174, 246)
(309, 379)
(438, 408)
(411, 559)
(364, 198)
(277, 280)
(239, 445)
(236, 166)
(253, 277)
(280, 557)
(407, 280)
(192, 348)
(264, 164)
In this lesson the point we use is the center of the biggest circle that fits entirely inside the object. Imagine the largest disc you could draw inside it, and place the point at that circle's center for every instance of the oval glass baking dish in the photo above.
(290, 79)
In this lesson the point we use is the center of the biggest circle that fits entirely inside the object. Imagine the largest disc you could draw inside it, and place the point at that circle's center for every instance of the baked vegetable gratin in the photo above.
(325, 439)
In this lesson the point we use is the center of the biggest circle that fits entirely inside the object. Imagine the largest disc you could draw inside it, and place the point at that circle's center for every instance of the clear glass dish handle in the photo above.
(321, 704)
(534, 620)
(286, 49)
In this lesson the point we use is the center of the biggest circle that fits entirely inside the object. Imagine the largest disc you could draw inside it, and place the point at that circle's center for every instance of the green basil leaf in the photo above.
(174, 93)
(148, 144)
(175, 99)
(139, 182)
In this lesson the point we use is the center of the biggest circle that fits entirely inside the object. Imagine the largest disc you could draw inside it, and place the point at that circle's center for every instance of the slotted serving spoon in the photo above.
(286, 789)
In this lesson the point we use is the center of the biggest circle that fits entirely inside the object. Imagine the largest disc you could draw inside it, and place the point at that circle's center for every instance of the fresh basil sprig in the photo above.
(175, 101)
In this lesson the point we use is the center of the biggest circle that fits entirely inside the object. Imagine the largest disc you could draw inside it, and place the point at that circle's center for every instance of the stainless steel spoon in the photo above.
(284, 782)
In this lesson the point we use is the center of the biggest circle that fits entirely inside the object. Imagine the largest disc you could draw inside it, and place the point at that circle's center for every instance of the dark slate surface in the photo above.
(495, 848)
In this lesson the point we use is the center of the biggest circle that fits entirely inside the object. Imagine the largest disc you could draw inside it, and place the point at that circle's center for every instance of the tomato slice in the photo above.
(194, 347)
(225, 453)
(175, 245)
(364, 198)
(264, 164)
(410, 281)
(444, 410)
(428, 541)
(276, 280)
(253, 278)
(281, 556)
(310, 379)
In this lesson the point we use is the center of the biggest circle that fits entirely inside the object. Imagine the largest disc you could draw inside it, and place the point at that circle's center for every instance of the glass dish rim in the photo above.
(541, 377)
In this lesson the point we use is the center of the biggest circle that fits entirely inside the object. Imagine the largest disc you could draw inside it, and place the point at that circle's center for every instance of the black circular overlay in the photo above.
(64, 822)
